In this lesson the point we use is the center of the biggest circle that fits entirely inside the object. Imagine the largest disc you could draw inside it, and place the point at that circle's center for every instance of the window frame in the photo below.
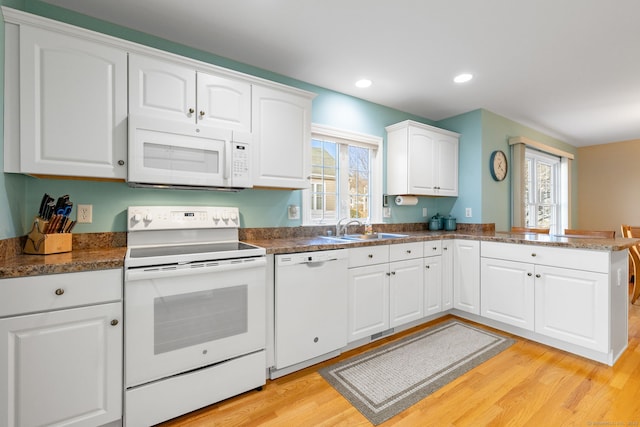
(346, 137)
(534, 201)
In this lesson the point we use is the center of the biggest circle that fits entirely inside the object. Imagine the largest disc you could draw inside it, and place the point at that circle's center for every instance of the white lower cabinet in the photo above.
(575, 296)
(433, 278)
(508, 292)
(405, 291)
(368, 301)
(466, 275)
(447, 274)
(385, 288)
(62, 367)
(572, 305)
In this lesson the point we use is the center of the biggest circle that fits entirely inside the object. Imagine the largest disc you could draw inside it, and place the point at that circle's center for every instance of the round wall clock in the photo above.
(498, 165)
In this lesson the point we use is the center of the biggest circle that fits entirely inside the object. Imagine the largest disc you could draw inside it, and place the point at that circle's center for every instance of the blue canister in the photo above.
(449, 223)
(435, 223)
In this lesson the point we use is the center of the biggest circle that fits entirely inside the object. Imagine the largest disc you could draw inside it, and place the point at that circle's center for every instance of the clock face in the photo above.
(498, 165)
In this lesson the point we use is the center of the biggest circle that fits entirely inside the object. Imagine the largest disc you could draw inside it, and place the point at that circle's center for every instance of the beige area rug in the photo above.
(383, 382)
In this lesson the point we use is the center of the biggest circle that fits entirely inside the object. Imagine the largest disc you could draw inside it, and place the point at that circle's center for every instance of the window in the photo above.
(346, 179)
(540, 185)
(541, 191)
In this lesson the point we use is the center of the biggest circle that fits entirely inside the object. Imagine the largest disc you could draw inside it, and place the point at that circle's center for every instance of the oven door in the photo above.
(181, 318)
(175, 153)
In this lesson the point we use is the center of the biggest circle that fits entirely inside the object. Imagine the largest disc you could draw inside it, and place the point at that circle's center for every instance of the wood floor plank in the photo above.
(528, 384)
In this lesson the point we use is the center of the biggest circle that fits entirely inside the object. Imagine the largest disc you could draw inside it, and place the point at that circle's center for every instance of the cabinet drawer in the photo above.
(578, 259)
(402, 251)
(432, 248)
(57, 291)
(368, 255)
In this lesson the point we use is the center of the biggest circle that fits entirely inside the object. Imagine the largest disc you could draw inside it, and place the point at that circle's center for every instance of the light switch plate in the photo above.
(293, 212)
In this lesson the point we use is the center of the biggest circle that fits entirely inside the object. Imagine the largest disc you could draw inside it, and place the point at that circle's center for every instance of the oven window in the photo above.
(189, 319)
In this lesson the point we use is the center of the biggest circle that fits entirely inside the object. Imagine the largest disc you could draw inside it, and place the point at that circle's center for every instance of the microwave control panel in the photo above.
(240, 160)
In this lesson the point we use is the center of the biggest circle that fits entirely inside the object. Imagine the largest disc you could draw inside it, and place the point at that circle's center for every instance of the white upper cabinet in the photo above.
(282, 138)
(73, 106)
(174, 91)
(421, 160)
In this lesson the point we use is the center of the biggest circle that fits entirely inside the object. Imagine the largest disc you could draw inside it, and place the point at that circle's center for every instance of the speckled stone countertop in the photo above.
(99, 251)
(317, 243)
(91, 251)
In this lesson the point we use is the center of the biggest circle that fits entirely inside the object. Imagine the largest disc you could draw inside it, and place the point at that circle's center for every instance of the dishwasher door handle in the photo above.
(318, 263)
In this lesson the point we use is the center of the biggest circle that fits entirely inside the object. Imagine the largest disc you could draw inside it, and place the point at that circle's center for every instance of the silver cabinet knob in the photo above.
(529, 274)
(121, 162)
(114, 322)
(191, 111)
(201, 113)
(370, 255)
(59, 291)
(538, 276)
(533, 254)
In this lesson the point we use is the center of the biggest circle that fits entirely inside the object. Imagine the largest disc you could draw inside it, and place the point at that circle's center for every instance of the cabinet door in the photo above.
(447, 274)
(282, 138)
(73, 106)
(447, 165)
(507, 292)
(223, 102)
(368, 301)
(422, 161)
(466, 276)
(405, 291)
(572, 305)
(432, 285)
(162, 89)
(62, 367)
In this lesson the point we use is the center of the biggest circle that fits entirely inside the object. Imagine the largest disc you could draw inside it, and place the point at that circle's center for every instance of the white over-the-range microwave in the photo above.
(166, 153)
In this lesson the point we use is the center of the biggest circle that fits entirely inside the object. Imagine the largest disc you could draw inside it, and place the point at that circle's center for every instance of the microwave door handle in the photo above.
(227, 160)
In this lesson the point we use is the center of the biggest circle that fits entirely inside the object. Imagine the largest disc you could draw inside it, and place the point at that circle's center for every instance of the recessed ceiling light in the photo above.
(463, 78)
(363, 83)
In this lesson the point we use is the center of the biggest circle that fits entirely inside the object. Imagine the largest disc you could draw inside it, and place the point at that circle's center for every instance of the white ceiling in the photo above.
(568, 68)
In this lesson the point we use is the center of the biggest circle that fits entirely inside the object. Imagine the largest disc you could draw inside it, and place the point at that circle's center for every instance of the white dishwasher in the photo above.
(310, 306)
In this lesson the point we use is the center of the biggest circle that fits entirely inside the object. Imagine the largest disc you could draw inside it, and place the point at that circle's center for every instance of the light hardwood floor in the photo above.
(528, 384)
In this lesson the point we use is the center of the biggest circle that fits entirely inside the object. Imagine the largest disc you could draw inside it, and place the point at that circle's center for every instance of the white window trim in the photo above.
(357, 139)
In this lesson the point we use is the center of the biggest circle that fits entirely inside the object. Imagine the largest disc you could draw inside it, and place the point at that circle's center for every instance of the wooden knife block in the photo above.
(39, 243)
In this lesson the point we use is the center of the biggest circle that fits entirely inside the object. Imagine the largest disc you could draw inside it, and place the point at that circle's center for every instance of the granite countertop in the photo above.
(92, 258)
(317, 243)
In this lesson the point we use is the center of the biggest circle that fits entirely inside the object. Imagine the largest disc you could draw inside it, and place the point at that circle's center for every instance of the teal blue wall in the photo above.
(20, 195)
(469, 126)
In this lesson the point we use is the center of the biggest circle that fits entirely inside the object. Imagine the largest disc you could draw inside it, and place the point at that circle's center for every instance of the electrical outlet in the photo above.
(424, 212)
(386, 212)
(467, 213)
(293, 212)
(85, 214)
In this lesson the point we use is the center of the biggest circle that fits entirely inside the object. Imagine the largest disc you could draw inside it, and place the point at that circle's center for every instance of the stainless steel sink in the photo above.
(336, 239)
(354, 237)
(373, 236)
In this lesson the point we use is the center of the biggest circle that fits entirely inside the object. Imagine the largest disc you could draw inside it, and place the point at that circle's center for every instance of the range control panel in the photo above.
(181, 217)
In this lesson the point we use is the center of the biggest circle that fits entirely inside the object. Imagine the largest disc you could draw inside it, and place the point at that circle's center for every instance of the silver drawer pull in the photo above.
(428, 266)
(533, 254)
(59, 291)
(370, 255)
(114, 322)
(408, 251)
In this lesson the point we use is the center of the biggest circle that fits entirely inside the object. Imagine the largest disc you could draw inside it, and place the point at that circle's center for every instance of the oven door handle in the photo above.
(209, 267)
